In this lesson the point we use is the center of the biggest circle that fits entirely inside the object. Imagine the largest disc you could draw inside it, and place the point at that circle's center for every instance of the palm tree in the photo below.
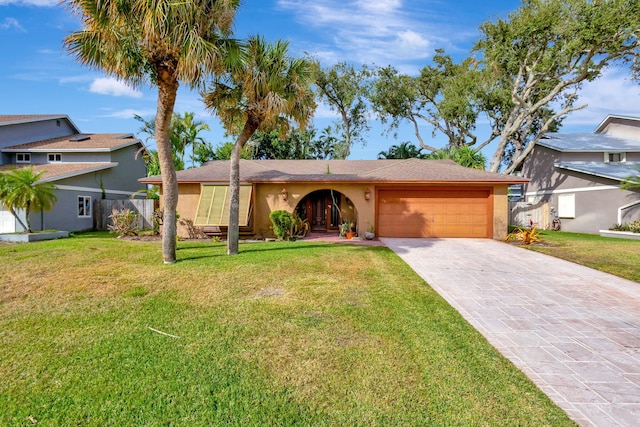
(190, 134)
(632, 182)
(165, 42)
(22, 189)
(462, 155)
(405, 150)
(266, 92)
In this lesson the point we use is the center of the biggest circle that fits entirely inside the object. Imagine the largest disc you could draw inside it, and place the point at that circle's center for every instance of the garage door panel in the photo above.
(449, 212)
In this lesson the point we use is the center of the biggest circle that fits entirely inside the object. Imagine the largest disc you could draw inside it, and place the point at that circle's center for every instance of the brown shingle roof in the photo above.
(21, 118)
(381, 171)
(57, 171)
(77, 142)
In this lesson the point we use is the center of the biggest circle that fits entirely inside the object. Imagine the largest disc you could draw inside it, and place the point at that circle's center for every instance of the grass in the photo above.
(280, 334)
(620, 257)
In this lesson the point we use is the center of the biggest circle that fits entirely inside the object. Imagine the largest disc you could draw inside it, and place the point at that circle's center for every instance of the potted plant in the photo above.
(369, 234)
(346, 229)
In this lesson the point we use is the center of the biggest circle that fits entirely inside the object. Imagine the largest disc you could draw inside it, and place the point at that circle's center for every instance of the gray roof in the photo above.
(589, 142)
(14, 119)
(374, 171)
(86, 142)
(614, 171)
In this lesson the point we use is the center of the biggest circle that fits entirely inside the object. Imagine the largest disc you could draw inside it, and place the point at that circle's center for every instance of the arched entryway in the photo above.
(326, 210)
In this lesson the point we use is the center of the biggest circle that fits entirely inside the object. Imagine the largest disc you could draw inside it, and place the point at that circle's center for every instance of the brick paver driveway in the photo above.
(573, 330)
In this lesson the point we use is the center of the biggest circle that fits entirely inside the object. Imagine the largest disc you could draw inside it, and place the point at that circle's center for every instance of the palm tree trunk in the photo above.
(167, 89)
(27, 211)
(17, 217)
(233, 232)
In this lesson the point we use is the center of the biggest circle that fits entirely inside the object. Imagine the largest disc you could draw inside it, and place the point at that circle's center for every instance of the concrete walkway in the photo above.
(573, 330)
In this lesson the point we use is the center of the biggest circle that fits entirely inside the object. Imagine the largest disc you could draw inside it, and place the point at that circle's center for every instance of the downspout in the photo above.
(623, 207)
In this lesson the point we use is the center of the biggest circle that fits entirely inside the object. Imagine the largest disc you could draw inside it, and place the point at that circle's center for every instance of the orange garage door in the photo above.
(435, 212)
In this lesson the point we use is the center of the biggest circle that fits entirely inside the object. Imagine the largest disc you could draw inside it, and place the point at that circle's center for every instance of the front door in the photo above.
(319, 214)
(319, 210)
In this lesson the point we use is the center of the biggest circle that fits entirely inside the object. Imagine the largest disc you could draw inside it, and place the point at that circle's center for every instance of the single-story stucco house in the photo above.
(397, 198)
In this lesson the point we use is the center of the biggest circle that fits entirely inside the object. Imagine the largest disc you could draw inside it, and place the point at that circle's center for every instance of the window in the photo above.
(567, 205)
(84, 206)
(615, 157)
(23, 158)
(54, 157)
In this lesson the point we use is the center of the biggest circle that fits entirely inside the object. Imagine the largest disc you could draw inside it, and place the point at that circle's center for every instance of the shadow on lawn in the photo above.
(262, 247)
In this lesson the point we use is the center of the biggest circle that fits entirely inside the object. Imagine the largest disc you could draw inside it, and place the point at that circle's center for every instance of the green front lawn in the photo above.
(281, 334)
(616, 256)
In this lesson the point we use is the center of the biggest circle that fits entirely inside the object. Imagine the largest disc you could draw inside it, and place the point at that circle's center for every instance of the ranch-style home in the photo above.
(397, 198)
(84, 167)
(577, 176)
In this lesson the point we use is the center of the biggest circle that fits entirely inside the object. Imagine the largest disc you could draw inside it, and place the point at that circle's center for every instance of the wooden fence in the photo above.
(522, 214)
(144, 207)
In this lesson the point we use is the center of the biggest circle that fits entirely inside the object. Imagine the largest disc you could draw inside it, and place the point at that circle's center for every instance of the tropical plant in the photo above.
(184, 133)
(633, 227)
(164, 42)
(462, 155)
(632, 182)
(266, 92)
(22, 189)
(124, 222)
(405, 150)
(525, 236)
(299, 227)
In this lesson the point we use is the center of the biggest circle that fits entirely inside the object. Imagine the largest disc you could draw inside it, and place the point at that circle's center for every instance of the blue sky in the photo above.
(37, 76)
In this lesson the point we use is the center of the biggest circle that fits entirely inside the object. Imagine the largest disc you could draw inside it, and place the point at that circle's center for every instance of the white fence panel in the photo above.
(143, 207)
(523, 214)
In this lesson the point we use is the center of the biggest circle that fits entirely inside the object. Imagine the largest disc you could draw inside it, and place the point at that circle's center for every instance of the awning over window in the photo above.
(213, 207)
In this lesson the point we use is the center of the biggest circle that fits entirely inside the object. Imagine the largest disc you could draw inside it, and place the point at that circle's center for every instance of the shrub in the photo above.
(633, 227)
(282, 222)
(124, 222)
(299, 227)
(526, 236)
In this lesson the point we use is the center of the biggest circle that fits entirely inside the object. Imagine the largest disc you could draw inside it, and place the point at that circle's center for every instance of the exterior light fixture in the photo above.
(284, 195)
(367, 194)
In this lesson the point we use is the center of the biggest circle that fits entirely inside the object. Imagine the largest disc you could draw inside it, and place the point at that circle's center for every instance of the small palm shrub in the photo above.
(124, 222)
(526, 236)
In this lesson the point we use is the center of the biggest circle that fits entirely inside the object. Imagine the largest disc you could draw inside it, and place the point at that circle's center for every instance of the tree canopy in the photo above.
(540, 55)
(344, 88)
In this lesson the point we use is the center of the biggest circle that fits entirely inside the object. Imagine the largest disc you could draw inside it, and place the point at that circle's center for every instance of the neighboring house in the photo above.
(579, 175)
(400, 198)
(83, 167)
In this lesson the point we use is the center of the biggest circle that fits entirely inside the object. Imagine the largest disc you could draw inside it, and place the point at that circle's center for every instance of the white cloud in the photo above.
(366, 31)
(613, 93)
(11, 23)
(111, 86)
(129, 113)
(43, 3)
